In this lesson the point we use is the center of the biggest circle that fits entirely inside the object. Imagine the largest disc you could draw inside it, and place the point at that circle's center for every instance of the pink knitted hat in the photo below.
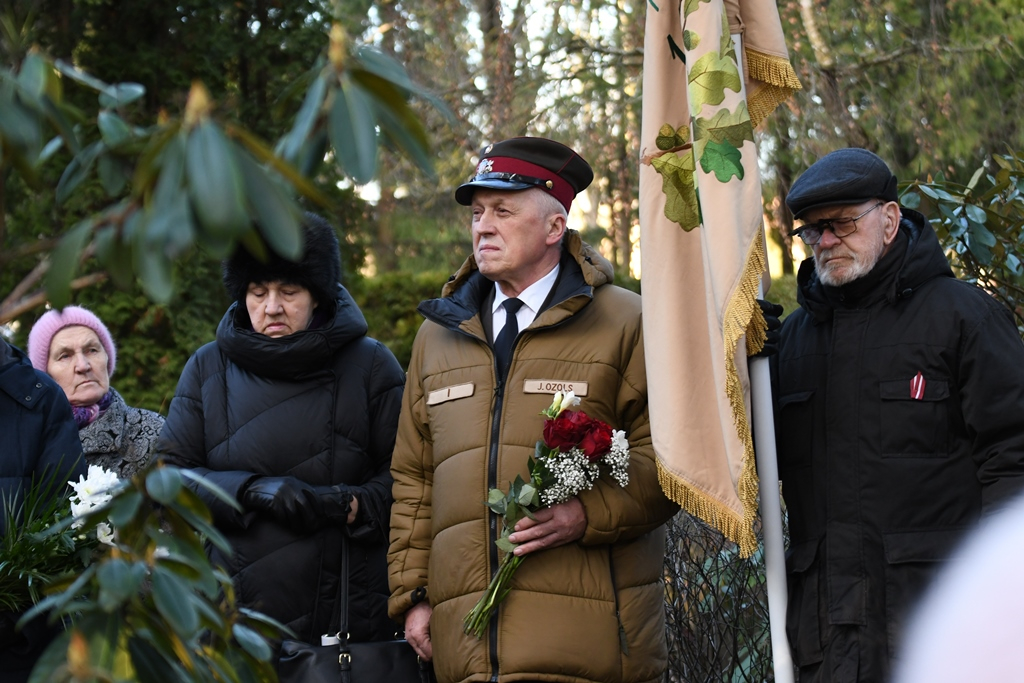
(52, 322)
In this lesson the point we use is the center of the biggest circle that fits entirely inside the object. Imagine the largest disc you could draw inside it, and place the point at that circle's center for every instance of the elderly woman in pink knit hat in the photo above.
(75, 348)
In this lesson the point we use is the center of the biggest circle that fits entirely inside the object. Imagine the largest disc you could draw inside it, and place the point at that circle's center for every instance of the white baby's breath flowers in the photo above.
(617, 458)
(573, 472)
(92, 491)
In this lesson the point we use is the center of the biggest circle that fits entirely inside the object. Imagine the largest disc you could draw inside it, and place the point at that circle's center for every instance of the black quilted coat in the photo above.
(321, 405)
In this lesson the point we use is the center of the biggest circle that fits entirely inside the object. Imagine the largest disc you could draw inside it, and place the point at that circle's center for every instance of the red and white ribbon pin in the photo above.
(917, 387)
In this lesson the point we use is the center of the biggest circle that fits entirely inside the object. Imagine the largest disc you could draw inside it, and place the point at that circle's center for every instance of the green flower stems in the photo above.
(476, 621)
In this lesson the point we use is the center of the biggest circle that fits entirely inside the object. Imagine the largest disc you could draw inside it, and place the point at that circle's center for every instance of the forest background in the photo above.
(927, 84)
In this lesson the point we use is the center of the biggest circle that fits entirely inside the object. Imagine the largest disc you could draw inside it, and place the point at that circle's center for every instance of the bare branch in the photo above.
(27, 283)
(38, 297)
(916, 47)
(36, 247)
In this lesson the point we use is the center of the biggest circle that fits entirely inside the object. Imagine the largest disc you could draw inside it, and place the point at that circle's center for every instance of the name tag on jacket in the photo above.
(450, 393)
(552, 386)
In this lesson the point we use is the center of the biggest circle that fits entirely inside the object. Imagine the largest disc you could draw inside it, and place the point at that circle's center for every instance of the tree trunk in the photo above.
(783, 216)
(832, 99)
(384, 246)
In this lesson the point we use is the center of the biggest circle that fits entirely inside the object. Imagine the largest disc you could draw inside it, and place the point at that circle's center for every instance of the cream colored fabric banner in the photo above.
(702, 257)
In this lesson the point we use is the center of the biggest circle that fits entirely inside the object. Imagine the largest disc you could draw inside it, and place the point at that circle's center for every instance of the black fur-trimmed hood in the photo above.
(319, 269)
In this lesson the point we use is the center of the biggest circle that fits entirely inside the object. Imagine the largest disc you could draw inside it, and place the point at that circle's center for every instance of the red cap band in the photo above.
(560, 189)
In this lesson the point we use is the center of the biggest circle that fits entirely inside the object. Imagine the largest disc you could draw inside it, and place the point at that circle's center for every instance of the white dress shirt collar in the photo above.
(533, 297)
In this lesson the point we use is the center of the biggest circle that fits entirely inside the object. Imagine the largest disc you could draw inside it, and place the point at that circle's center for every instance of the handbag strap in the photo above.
(343, 591)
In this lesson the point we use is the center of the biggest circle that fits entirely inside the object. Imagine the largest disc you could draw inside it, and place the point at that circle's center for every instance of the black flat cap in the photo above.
(845, 176)
(522, 163)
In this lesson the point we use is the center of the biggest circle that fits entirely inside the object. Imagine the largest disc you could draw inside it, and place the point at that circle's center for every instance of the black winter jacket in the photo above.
(881, 483)
(321, 405)
(38, 435)
(38, 443)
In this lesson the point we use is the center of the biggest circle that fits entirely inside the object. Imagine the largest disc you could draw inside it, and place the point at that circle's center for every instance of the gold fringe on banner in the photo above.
(739, 313)
(699, 504)
(778, 80)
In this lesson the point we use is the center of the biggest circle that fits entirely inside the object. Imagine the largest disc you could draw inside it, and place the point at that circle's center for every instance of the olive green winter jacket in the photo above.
(590, 611)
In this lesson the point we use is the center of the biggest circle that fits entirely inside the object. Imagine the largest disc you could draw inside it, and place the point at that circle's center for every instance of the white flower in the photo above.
(91, 491)
(104, 533)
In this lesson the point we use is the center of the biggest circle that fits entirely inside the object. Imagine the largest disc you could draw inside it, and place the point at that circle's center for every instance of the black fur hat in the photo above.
(319, 269)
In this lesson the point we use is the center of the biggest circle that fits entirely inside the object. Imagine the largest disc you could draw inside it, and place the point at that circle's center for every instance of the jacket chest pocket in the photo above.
(796, 429)
(914, 420)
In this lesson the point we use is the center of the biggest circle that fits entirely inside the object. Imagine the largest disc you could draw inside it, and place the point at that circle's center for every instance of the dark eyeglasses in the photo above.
(811, 233)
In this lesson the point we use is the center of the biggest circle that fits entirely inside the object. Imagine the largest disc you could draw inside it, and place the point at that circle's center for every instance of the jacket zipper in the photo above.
(492, 470)
(492, 482)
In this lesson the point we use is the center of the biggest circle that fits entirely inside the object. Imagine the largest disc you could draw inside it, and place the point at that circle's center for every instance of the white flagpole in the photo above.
(768, 488)
(771, 515)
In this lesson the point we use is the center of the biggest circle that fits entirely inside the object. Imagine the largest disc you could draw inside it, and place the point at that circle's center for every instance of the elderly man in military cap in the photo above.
(531, 312)
(900, 416)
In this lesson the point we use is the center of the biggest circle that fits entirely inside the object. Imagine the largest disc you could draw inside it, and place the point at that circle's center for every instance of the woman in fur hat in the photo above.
(292, 411)
(75, 348)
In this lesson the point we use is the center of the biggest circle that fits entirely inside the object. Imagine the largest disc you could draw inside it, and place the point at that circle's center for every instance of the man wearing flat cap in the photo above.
(899, 416)
(531, 312)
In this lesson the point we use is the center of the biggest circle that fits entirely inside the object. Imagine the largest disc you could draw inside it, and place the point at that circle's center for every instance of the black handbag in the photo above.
(339, 660)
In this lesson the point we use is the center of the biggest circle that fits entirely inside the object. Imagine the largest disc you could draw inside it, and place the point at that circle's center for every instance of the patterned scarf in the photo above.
(86, 415)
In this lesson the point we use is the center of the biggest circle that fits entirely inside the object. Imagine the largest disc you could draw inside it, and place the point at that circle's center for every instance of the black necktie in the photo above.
(503, 342)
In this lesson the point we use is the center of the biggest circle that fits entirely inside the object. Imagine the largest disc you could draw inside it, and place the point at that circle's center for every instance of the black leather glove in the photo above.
(290, 501)
(336, 502)
(771, 313)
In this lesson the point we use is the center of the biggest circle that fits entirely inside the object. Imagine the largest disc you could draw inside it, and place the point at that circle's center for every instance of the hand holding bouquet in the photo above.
(567, 460)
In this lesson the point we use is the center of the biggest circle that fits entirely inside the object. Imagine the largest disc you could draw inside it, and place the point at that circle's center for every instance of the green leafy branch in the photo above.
(32, 554)
(198, 179)
(153, 607)
(982, 226)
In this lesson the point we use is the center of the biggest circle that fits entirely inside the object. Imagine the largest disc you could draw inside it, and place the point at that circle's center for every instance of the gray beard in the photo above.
(861, 266)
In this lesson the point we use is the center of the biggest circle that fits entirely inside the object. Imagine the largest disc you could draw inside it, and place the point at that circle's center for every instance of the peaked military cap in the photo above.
(525, 162)
(845, 176)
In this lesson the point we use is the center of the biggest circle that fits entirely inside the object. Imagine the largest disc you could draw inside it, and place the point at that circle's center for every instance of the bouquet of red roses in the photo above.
(567, 460)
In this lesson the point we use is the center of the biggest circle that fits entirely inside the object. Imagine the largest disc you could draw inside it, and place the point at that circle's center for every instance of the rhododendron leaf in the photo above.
(124, 507)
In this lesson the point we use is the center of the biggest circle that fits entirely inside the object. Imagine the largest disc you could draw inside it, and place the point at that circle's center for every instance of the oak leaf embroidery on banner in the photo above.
(682, 204)
(670, 138)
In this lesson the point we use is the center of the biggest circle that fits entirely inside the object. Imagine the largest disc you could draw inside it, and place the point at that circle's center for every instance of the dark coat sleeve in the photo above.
(61, 455)
(182, 443)
(992, 402)
(386, 383)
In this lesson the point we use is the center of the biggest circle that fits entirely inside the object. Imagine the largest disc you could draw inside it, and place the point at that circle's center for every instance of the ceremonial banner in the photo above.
(702, 250)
